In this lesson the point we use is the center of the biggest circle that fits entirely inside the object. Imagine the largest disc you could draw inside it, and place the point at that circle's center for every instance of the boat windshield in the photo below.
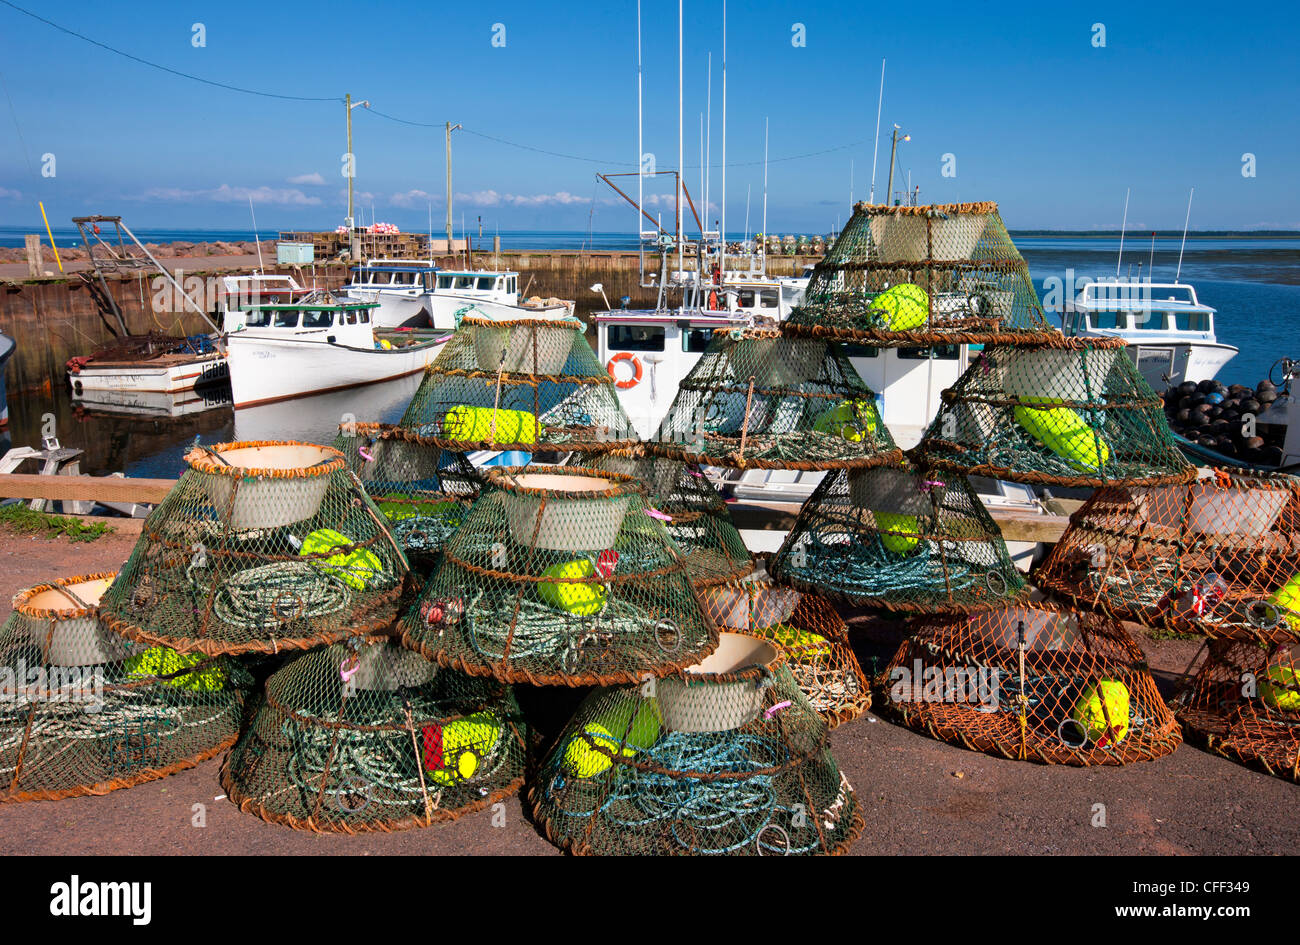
(636, 337)
(317, 319)
(285, 320)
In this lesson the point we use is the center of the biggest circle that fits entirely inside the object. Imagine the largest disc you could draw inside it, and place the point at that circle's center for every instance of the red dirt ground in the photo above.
(917, 795)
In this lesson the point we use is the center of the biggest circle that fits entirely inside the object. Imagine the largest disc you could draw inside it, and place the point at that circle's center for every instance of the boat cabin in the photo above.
(347, 324)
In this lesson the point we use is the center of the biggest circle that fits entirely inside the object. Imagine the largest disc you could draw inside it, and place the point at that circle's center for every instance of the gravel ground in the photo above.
(917, 795)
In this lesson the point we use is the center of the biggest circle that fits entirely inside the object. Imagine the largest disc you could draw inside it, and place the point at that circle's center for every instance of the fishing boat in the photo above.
(1169, 330)
(318, 344)
(419, 294)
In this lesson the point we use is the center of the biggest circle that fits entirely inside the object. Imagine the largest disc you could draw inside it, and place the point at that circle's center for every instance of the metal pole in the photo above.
(876, 147)
(893, 150)
(351, 160)
(1186, 220)
(449, 243)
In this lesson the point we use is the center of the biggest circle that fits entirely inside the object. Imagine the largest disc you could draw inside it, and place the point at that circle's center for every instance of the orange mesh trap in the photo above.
(560, 576)
(1034, 682)
(727, 757)
(1219, 556)
(902, 538)
(84, 711)
(368, 736)
(1244, 703)
(813, 637)
(904, 276)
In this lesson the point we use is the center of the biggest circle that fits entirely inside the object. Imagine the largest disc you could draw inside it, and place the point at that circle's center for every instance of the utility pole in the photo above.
(893, 151)
(450, 129)
(353, 248)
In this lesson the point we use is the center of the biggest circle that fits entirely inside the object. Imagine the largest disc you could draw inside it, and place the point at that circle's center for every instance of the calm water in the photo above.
(1254, 284)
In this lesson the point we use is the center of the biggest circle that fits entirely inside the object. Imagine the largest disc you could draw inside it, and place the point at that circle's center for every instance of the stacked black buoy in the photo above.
(1224, 418)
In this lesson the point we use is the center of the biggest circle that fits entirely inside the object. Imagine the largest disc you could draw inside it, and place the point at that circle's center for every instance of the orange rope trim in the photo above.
(200, 461)
(72, 612)
(620, 484)
(566, 324)
(934, 209)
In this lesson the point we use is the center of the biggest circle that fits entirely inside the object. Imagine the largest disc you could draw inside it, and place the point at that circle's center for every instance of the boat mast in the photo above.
(1183, 246)
(724, 142)
(876, 149)
(681, 265)
(1122, 227)
(708, 138)
(765, 127)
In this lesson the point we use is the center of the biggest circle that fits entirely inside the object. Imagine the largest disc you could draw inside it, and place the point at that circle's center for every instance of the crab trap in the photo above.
(812, 635)
(1075, 412)
(691, 508)
(756, 399)
(560, 576)
(727, 757)
(1034, 682)
(1219, 556)
(261, 547)
(915, 276)
(424, 491)
(902, 538)
(530, 384)
(84, 711)
(1244, 703)
(366, 736)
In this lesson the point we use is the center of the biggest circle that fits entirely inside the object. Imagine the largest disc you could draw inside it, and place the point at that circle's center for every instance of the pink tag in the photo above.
(662, 516)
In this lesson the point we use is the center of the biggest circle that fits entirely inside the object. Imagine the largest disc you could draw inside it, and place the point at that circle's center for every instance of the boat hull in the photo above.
(1179, 361)
(397, 309)
(265, 370)
(168, 375)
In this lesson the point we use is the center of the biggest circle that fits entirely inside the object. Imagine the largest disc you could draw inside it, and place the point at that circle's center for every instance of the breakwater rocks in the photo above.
(182, 250)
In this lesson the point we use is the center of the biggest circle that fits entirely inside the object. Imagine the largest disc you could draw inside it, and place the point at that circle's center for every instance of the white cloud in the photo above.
(491, 198)
(414, 198)
(7, 194)
(227, 194)
(313, 178)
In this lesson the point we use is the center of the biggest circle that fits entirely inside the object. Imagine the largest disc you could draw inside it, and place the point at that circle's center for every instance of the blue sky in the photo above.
(1036, 116)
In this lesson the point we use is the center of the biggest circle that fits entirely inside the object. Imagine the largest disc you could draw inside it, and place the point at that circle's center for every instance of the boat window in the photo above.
(861, 351)
(1109, 320)
(286, 320)
(365, 316)
(745, 298)
(257, 318)
(770, 298)
(1147, 320)
(1191, 321)
(636, 337)
(514, 286)
(941, 353)
(485, 283)
(695, 340)
(350, 318)
(403, 278)
(445, 282)
(380, 278)
(464, 282)
(316, 319)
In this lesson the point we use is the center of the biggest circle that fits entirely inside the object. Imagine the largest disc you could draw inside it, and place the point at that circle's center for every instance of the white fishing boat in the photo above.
(319, 344)
(1169, 330)
(419, 294)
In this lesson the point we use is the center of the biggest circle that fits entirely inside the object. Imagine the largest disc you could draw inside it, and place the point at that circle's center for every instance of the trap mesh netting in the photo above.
(808, 630)
(1219, 556)
(84, 711)
(1035, 682)
(560, 576)
(921, 276)
(529, 384)
(423, 490)
(365, 735)
(1244, 703)
(692, 510)
(725, 758)
(260, 547)
(902, 538)
(757, 399)
(1074, 413)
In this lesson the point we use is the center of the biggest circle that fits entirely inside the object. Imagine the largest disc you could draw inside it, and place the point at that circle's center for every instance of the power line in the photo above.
(155, 65)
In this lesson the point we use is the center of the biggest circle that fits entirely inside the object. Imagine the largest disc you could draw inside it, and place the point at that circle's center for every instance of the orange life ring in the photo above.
(635, 379)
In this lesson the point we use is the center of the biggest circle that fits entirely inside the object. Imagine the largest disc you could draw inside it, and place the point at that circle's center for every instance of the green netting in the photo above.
(369, 736)
(559, 576)
(260, 547)
(1076, 413)
(84, 711)
(808, 630)
(726, 758)
(693, 512)
(1244, 703)
(757, 399)
(943, 274)
(424, 491)
(528, 384)
(1034, 682)
(1219, 556)
(902, 538)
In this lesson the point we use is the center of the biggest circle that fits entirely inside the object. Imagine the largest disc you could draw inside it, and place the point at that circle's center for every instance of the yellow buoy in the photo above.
(907, 305)
(1280, 688)
(355, 568)
(628, 720)
(567, 592)
(164, 661)
(454, 752)
(852, 420)
(1103, 712)
(898, 533)
(1287, 600)
(804, 645)
(475, 424)
(1065, 433)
